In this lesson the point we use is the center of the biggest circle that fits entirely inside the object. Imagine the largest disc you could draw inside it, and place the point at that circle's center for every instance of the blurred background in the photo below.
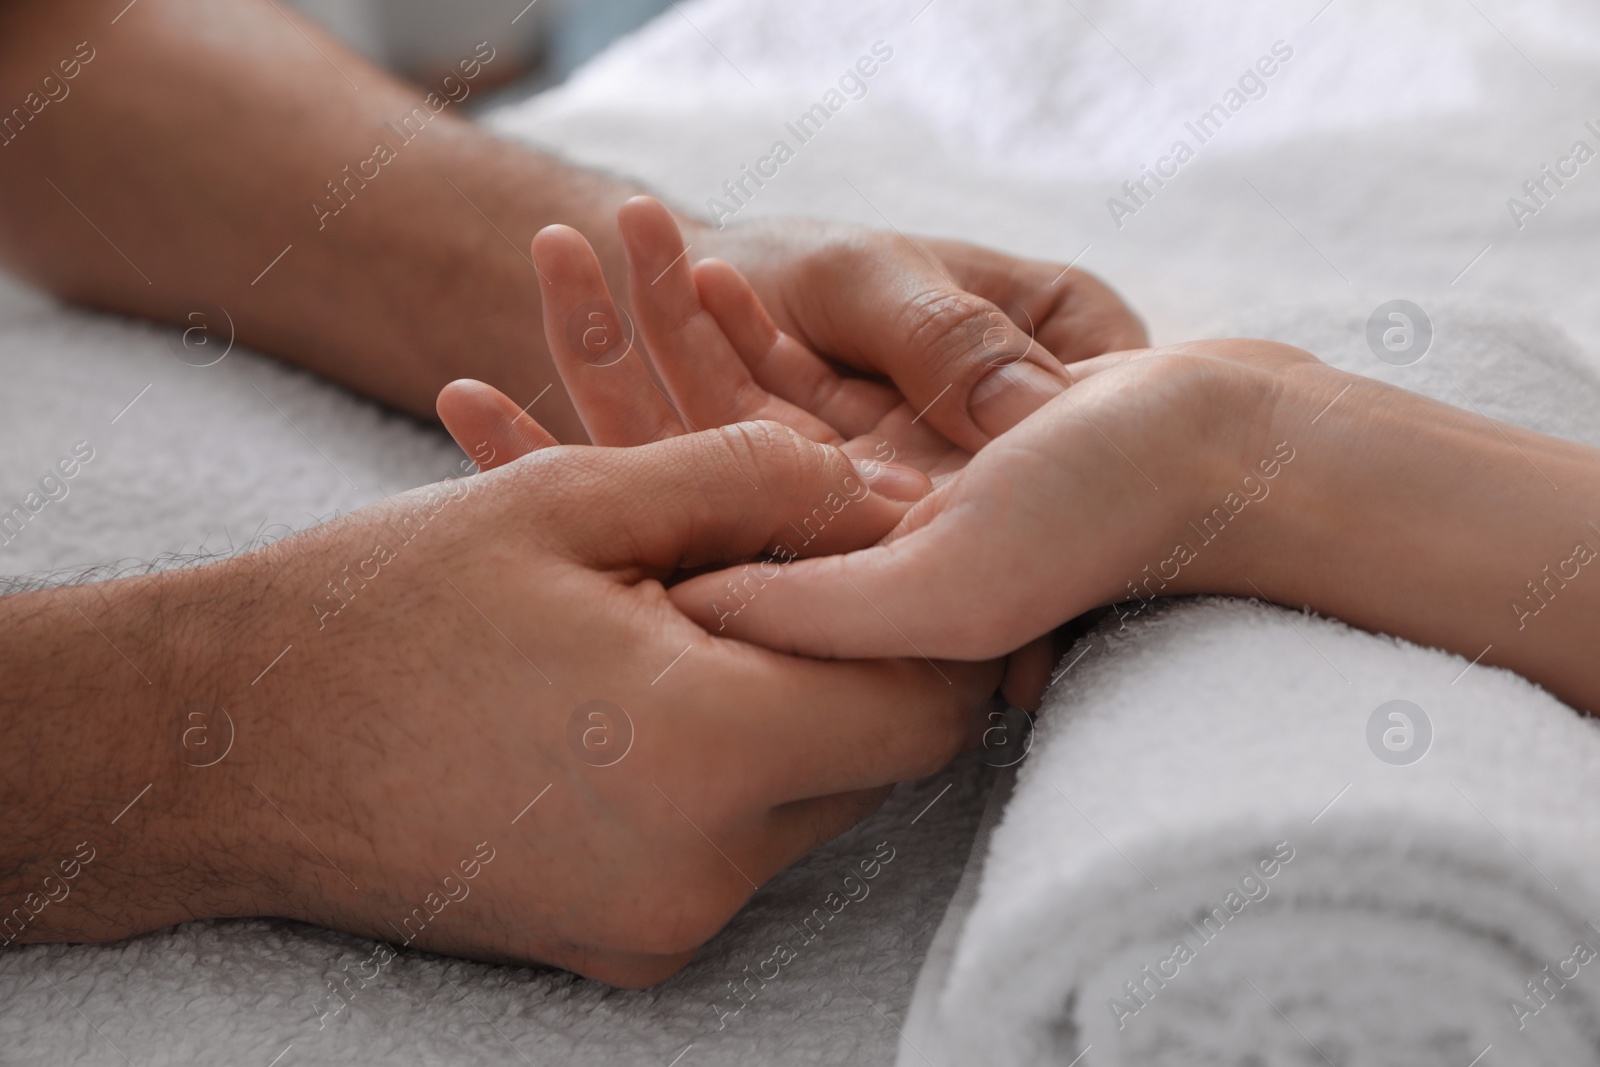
(537, 44)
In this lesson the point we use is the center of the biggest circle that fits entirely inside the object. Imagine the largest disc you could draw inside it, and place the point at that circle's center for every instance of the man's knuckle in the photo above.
(946, 325)
(757, 438)
(684, 919)
(771, 453)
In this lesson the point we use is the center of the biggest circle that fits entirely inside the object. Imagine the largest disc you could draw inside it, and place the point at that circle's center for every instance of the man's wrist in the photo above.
(124, 832)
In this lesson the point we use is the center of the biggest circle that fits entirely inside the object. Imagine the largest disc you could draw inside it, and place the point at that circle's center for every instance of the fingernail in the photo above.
(892, 480)
(1007, 395)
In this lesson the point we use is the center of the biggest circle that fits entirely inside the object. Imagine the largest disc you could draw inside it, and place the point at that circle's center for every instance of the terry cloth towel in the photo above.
(1378, 165)
(1247, 835)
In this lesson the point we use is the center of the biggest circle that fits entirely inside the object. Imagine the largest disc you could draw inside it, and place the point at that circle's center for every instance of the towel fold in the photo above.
(1247, 835)
(1206, 861)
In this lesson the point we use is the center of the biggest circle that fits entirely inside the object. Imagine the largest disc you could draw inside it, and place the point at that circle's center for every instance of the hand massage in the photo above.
(805, 640)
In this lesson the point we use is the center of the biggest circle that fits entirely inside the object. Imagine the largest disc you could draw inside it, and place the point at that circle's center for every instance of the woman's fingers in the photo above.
(693, 350)
(488, 425)
(946, 589)
(845, 606)
(593, 346)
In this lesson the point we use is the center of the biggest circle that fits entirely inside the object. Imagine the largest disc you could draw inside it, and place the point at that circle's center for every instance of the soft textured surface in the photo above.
(1415, 903)
(1391, 141)
(212, 457)
(1186, 745)
(245, 992)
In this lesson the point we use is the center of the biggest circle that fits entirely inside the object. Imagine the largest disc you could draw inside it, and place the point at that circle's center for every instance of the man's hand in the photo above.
(973, 338)
(720, 359)
(236, 157)
(469, 717)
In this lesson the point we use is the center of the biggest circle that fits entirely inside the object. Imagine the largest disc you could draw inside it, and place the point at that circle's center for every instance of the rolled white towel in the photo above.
(1231, 846)
(1191, 874)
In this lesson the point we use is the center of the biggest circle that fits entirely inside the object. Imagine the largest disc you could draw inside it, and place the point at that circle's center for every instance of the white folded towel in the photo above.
(1224, 849)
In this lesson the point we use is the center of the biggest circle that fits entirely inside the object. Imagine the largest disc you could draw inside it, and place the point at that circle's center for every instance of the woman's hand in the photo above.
(1236, 467)
(1082, 504)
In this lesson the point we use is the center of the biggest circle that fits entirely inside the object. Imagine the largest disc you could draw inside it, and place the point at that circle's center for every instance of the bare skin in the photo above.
(393, 707)
(1396, 513)
(174, 155)
(199, 143)
(1239, 467)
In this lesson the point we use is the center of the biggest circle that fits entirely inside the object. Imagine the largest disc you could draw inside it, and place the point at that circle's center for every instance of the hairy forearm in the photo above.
(111, 830)
(162, 724)
(204, 140)
(1414, 518)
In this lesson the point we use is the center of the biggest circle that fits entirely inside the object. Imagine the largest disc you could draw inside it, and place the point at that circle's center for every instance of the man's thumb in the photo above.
(752, 489)
(961, 362)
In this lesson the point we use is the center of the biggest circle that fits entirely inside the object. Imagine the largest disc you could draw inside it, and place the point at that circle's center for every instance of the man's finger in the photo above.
(488, 425)
(1028, 673)
(962, 363)
(593, 346)
(801, 827)
(782, 365)
(688, 346)
(1073, 314)
(737, 492)
(849, 725)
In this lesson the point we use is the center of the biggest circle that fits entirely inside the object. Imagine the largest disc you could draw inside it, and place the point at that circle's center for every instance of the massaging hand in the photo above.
(722, 359)
(973, 338)
(466, 718)
(454, 685)
(716, 351)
